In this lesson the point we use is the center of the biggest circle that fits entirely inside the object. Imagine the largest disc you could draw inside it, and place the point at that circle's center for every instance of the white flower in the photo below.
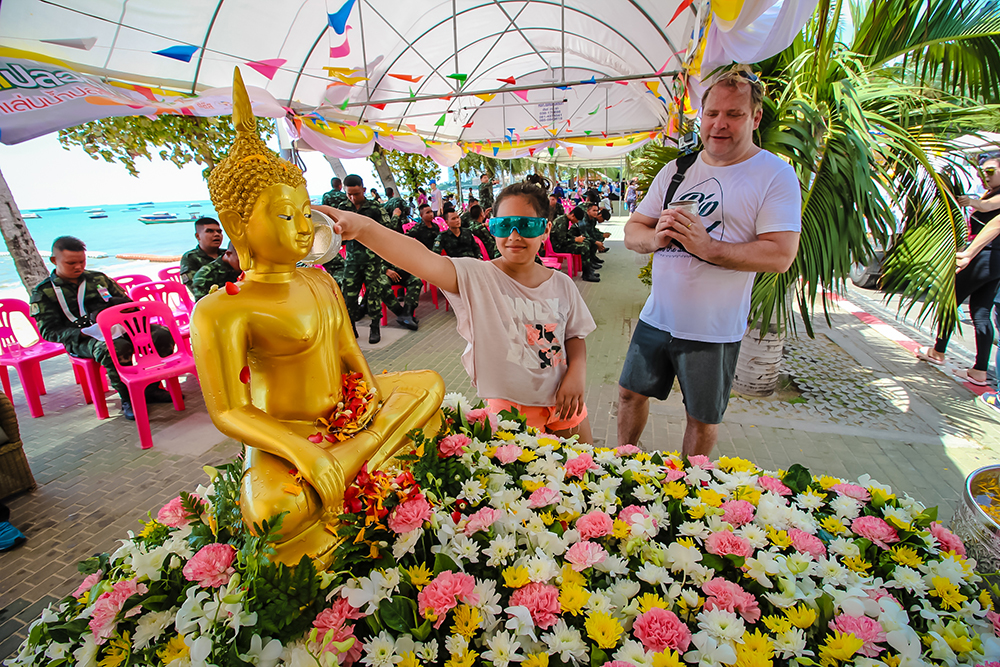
(509, 425)
(191, 615)
(261, 655)
(147, 564)
(379, 651)
(472, 490)
(489, 601)
(616, 566)
(721, 624)
(201, 651)
(844, 548)
(646, 493)
(695, 476)
(642, 526)
(56, 651)
(456, 644)
(520, 622)
(633, 653)
(761, 567)
(791, 643)
(503, 649)
(501, 549)
(694, 529)
(682, 558)
(405, 543)
(908, 578)
(150, 626)
(653, 575)
(599, 603)
(753, 534)
(809, 501)
(428, 651)
(709, 652)
(466, 549)
(456, 403)
(565, 641)
(900, 517)
(845, 507)
(542, 567)
(86, 655)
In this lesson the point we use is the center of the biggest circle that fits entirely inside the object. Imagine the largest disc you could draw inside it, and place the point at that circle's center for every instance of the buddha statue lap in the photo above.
(290, 328)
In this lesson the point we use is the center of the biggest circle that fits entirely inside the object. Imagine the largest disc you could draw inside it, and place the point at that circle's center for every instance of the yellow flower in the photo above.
(504, 435)
(516, 577)
(546, 518)
(801, 616)
(568, 517)
(814, 493)
(620, 529)
(547, 442)
(859, 564)
(117, 652)
(986, 600)
(838, 648)
(890, 660)
(698, 511)
(149, 528)
(420, 575)
(409, 659)
(779, 538)
(571, 577)
(649, 600)
(675, 490)
(833, 525)
(467, 621)
(175, 649)
(950, 596)
(755, 651)
(880, 496)
(736, 464)
(667, 658)
(906, 556)
(711, 497)
(466, 659)
(683, 606)
(603, 629)
(777, 624)
(572, 599)
(536, 660)
(826, 481)
(527, 456)
(531, 485)
(747, 493)
(687, 542)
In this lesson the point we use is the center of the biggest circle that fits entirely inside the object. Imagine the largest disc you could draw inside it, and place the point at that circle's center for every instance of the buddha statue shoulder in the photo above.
(272, 355)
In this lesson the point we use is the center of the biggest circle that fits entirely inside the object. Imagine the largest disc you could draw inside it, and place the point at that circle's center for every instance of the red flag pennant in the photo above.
(407, 77)
(413, 128)
(569, 149)
(604, 134)
(446, 99)
(512, 81)
(684, 5)
(531, 152)
(380, 107)
(467, 125)
(610, 143)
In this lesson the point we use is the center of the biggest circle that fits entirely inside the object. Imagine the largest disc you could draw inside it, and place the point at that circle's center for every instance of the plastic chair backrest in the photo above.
(172, 273)
(175, 295)
(442, 225)
(8, 339)
(482, 247)
(137, 319)
(126, 281)
(548, 247)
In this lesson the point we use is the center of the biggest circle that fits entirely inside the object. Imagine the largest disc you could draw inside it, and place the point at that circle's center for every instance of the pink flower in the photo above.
(453, 445)
(731, 597)
(594, 524)
(875, 529)
(634, 513)
(212, 566)
(627, 450)
(543, 497)
(866, 629)
(674, 475)
(102, 618)
(481, 415)
(701, 461)
(994, 618)
(946, 539)
(585, 554)
(659, 629)
(335, 618)
(580, 465)
(723, 543)
(508, 453)
(853, 491)
(738, 512)
(444, 593)
(173, 513)
(481, 520)
(88, 583)
(541, 601)
(618, 663)
(410, 515)
(773, 485)
(803, 541)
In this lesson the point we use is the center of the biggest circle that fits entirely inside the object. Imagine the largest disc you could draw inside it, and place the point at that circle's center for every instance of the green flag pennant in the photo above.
(412, 94)
(631, 139)
(596, 109)
(552, 150)
(343, 107)
(587, 132)
(459, 77)
(440, 121)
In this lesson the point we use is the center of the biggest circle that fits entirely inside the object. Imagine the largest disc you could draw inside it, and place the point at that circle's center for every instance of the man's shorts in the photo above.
(542, 418)
(704, 370)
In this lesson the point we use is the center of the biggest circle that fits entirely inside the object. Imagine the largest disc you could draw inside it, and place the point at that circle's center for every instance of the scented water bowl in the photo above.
(976, 519)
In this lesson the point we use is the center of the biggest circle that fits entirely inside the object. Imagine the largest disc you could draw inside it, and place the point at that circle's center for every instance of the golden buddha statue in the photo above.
(271, 355)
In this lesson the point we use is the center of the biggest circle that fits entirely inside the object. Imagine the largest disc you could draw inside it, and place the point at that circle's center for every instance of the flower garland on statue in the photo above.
(493, 544)
(353, 412)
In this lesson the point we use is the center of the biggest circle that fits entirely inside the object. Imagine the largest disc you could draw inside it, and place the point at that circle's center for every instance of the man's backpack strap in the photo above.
(684, 163)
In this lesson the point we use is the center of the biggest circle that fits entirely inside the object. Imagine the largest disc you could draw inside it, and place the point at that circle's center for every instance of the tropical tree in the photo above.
(412, 170)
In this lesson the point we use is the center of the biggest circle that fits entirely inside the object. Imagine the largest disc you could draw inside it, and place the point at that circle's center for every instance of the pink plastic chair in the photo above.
(171, 273)
(570, 258)
(137, 320)
(174, 294)
(24, 359)
(482, 248)
(93, 379)
(385, 311)
(127, 281)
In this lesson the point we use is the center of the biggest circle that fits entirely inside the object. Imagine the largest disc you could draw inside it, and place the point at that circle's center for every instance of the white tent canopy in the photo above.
(505, 71)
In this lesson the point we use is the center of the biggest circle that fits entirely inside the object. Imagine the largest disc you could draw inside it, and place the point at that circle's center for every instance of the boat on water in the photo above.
(163, 217)
(97, 216)
(194, 205)
(130, 208)
(30, 216)
(94, 210)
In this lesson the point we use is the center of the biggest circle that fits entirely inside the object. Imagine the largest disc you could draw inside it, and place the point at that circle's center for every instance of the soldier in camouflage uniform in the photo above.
(481, 230)
(589, 226)
(335, 197)
(209, 235)
(456, 241)
(395, 202)
(486, 191)
(66, 304)
(426, 230)
(226, 269)
(566, 236)
(362, 267)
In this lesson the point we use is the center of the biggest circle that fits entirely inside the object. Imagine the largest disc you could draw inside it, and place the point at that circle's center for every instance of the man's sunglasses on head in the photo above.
(989, 171)
(526, 227)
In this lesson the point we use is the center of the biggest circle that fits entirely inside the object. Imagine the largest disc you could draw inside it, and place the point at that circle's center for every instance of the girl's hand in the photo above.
(569, 396)
(961, 261)
(966, 200)
(346, 223)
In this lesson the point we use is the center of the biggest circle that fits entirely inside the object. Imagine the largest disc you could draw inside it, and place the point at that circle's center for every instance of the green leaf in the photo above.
(717, 563)
(797, 478)
(422, 631)
(443, 562)
(597, 657)
(398, 613)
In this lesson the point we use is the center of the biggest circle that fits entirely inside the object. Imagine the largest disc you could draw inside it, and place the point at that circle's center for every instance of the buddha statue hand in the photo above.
(326, 476)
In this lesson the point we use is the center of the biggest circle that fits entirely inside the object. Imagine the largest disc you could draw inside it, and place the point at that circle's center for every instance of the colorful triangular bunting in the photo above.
(511, 80)
(82, 43)
(459, 77)
(338, 20)
(342, 50)
(523, 94)
(182, 53)
(267, 67)
(440, 121)
(496, 149)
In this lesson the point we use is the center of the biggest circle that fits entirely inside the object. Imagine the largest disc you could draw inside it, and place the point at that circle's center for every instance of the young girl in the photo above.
(525, 324)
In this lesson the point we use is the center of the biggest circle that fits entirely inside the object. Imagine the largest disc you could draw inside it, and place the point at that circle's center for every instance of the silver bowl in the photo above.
(977, 530)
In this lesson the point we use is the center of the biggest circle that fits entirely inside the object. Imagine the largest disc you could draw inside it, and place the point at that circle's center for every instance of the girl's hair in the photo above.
(536, 197)
(540, 181)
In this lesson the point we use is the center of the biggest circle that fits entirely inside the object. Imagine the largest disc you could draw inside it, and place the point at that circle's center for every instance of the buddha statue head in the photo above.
(261, 199)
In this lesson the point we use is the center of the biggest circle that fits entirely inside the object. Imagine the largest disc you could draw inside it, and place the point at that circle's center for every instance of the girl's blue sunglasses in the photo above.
(526, 227)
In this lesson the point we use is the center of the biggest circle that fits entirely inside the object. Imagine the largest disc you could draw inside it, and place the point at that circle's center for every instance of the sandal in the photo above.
(923, 354)
(963, 375)
(991, 398)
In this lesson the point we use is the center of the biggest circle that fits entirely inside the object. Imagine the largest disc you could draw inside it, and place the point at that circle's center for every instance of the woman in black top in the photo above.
(978, 276)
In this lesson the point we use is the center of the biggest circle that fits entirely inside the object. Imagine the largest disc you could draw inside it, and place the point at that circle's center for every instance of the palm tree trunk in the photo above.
(23, 250)
(383, 170)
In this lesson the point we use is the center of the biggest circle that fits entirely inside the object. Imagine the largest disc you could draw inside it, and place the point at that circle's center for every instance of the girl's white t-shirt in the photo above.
(692, 299)
(516, 335)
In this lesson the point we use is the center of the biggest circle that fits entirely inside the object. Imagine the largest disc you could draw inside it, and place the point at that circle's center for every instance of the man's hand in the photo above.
(687, 228)
(346, 223)
(966, 200)
(393, 276)
(578, 239)
(396, 211)
(569, 396)
(600, 245)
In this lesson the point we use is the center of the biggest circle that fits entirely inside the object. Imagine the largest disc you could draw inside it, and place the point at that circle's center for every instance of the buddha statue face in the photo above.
(279, 228)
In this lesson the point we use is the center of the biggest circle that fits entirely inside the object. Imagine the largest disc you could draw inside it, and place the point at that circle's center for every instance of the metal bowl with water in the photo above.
(979, 531)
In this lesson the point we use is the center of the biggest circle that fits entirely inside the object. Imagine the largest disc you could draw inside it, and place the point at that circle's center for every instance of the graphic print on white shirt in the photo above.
(532, 337)
(711, 208)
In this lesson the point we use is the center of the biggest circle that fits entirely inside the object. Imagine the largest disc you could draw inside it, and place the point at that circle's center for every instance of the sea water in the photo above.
(119, 233)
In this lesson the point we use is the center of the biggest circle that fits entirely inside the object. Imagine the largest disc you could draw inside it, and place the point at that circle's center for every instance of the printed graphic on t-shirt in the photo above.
(711, 207)
(533, 339)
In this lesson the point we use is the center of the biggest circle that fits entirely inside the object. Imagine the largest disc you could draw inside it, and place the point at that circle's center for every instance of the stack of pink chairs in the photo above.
(173, 294)
(25, 360)
(171, 273)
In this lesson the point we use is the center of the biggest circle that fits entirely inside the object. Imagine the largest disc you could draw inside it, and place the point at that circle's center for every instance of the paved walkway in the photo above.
(854, 401)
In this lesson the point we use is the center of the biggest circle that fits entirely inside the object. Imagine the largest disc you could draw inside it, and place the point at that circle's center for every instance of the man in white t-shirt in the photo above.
(749, 218)
(435, 199)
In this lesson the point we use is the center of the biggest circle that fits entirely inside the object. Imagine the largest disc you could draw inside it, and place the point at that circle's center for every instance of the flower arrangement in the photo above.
(353, 412)
(493, 544)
